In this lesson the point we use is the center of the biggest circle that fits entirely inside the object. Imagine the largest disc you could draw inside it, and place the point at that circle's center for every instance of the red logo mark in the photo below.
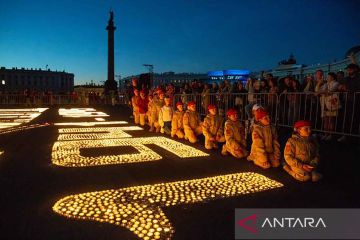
(251, 218)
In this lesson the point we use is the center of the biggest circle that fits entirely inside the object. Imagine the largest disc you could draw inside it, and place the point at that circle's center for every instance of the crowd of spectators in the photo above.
(324, 96)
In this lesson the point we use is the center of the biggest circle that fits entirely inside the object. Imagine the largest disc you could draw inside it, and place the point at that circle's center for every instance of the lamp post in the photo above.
(150, 68)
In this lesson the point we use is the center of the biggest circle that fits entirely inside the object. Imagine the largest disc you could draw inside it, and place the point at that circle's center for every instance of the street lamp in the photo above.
(150, 67)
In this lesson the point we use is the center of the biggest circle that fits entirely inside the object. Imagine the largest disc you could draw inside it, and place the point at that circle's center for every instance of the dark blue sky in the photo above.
(174, 35)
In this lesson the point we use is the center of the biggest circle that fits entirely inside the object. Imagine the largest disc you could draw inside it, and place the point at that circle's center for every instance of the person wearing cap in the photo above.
(212, 128)
(301, 153)
(234, 136)
(135, 106)
(265, 148)
(165, 116)
(143, 107)
(177, 126)
(158, 103)
(192, 123)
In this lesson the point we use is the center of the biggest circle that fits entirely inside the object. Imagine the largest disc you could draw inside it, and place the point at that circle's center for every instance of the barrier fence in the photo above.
(332, 113)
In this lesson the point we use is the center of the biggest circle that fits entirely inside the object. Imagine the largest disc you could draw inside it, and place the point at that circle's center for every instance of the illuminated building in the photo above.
(17, 80)
(139, 209)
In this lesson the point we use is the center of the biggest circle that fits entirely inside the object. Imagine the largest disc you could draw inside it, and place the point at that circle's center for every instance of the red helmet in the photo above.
(179, 104)
(302, 123)
(260, 113)
(211, 106)
(191, 103)
(231, 112)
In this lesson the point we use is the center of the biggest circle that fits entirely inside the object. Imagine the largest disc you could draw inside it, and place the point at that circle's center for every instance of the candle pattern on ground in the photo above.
(67, 153)
(81, 112)
(139, 208)
(95, 133)
(10, 118)
(90, 124)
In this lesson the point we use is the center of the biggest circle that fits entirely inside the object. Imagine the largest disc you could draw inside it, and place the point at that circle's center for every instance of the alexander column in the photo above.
(110, 83)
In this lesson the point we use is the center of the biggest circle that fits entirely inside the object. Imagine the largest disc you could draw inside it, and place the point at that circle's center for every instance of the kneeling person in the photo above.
(302, 153)
(212, 128)
(177, 126)
(234, 136)
(265, 148)
(192, 123)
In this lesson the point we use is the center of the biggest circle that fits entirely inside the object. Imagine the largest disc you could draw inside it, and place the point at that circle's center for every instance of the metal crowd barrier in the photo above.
(38, 100)
(332, 113)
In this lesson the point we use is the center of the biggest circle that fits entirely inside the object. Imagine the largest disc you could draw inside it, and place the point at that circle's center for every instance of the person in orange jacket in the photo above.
(302, 153)
(234, 136)
(212, 128)
(265, 148)
(192, 123)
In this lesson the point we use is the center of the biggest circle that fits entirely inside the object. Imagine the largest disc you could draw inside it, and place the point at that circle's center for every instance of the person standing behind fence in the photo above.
(253, 87)
(272, 97)
(265, 148)
(352, 85)
(234, 136)
(308, 84)
(205, 97)
(177, 126)
(319, 79)
(185, 94)
(192, 123)
(301, 153)
(240, 98)
(331, 104)
(294, 101)
(220, 98)
(212, 128)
